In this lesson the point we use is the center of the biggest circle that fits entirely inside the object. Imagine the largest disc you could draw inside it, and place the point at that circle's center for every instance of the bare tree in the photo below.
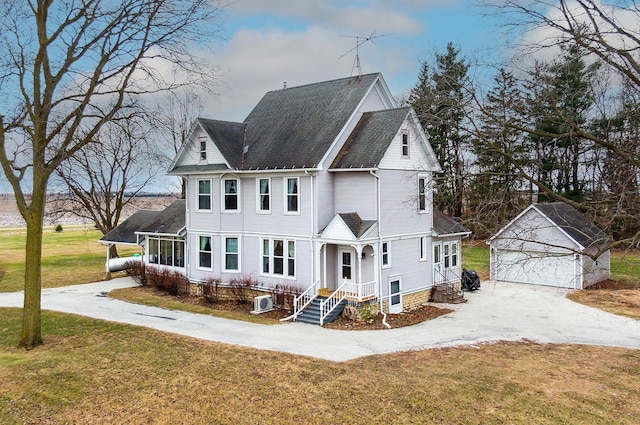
(104, 177)
(68, 67)
(608, 33)
(173, 122)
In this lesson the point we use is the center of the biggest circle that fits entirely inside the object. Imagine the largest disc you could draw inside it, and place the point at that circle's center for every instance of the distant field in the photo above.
(71, 257)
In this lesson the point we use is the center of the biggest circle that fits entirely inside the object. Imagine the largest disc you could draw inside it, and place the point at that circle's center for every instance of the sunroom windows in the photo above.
(166, 251)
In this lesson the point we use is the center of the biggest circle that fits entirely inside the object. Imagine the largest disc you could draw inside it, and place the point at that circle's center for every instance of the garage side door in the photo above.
(535, 269)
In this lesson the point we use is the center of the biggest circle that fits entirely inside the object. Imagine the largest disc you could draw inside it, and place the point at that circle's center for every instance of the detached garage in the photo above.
(550, 244)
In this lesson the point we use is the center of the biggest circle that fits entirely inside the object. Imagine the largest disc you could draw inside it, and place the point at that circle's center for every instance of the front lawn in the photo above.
(91, 371)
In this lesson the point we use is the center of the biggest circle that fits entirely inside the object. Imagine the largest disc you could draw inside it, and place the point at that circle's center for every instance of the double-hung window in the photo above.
(422, 194)
(204, 252)
(405, 145)
(203, 150)
(231, 254)
(263, 195)
(292, 194)
(231, 194)
(385, 254)
(204, 195)
(454, 254)
(279, 257)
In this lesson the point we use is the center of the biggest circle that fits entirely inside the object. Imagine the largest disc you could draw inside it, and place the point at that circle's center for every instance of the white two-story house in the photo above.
(327, 187)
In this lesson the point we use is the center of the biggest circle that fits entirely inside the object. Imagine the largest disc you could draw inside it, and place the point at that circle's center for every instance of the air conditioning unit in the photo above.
(262, 304)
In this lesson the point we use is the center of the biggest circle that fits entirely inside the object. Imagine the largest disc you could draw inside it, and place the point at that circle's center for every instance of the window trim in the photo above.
(225, 253)
(259, 195)
(423, 199)
(423, 248)
(286, 196)
(199, 265)
(405, 143)
(286, 258)
(223, 194)
(209, 195)
(203, 149)
(385, 254)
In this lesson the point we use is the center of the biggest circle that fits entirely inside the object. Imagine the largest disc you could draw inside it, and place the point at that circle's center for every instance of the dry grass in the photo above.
(97, 372)
(149, 296)
(70, 257)
(616, 297)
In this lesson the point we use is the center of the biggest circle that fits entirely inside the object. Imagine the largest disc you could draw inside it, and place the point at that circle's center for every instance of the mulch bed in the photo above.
(408, 318)
(611, 284)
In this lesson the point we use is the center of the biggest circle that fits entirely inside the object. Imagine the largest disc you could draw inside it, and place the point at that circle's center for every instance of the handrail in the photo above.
(449, 278)
(303, 300)
(331, 301)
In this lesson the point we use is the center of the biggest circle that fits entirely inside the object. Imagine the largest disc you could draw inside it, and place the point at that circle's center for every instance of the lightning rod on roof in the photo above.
(360, 40)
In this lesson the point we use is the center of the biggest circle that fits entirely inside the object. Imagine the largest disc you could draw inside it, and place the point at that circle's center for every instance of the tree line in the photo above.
(560, 129)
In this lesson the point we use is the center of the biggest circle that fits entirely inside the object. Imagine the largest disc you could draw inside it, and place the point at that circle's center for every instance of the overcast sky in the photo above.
(268, 42)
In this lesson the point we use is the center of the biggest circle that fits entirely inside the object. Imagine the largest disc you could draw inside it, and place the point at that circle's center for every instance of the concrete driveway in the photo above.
(499, 311)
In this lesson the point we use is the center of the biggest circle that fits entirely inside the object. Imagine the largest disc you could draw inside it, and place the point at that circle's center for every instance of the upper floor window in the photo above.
(231, 192)
(203, 150)
(405, 145)
(292, 195)
(264, 195)
(385, 254)
(204, 195)
(422, 194)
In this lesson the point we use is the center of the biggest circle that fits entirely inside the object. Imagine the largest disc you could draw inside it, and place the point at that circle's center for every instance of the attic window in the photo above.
(203, 150)
(405, 145)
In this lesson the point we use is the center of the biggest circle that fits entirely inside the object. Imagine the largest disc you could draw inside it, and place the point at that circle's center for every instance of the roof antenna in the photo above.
(360, 40)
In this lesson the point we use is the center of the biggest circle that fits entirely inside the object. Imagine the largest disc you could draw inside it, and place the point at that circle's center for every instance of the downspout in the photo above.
(379, 256)
(313, 226)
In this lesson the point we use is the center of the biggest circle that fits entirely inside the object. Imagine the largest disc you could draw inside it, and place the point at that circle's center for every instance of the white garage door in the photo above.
(535, 268)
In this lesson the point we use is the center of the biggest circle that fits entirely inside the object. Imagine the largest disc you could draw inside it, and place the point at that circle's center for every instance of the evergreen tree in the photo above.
(500, 150)
(439, 100)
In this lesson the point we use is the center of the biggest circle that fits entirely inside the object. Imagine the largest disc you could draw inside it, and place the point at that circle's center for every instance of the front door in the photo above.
(345, 269)
(395, 295)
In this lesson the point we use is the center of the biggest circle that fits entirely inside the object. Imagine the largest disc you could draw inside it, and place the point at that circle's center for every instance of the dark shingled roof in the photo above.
(294, 127)
(572, 221)
(125, 231)
(445, 225)
(169, 221)
(370, 139)
(357, 225)
(228, 137)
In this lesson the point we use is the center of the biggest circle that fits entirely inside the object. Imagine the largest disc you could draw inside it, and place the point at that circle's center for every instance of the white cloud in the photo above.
(254, 62)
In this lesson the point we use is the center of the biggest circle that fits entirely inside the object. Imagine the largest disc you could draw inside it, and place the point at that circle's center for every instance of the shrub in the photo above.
(58, 228)
(137, 272)
(283, 295)
(172, 282)
(242, 289)
(211, 290)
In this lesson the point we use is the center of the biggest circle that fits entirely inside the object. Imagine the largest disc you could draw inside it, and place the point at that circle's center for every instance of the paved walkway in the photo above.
(499, 311)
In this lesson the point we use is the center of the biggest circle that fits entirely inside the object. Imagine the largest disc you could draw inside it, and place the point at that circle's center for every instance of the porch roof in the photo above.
(443, 225)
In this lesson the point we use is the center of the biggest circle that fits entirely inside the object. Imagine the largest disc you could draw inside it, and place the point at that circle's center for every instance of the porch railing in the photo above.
(303, 300)
(361, 291)
(333, 300)
(446, 276)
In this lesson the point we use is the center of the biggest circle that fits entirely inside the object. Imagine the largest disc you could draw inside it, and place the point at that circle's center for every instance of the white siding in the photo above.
(191, 151)
(399, 204)
(355, 191)
(533, 232)
(404, 258)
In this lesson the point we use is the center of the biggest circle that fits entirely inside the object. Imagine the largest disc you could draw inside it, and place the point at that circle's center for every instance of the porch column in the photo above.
(324, 265)
(317, 271)
(359, 279)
